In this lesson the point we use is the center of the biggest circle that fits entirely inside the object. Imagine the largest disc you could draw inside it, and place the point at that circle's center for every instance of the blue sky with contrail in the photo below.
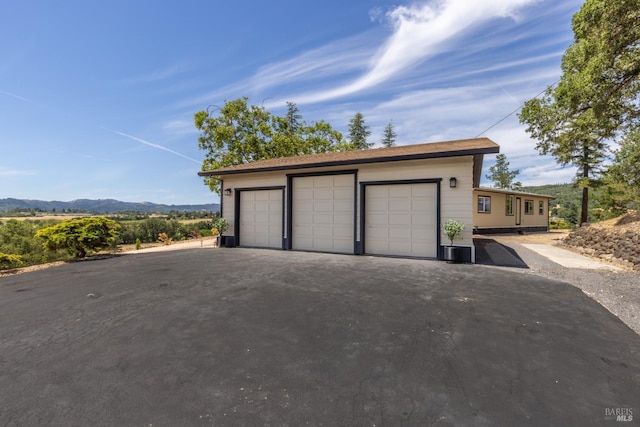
(97, 98)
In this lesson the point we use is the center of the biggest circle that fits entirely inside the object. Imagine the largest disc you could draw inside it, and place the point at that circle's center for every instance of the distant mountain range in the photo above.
(101, 206)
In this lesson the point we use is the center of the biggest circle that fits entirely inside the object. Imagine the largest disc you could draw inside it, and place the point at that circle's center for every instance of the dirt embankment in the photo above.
(617, 240)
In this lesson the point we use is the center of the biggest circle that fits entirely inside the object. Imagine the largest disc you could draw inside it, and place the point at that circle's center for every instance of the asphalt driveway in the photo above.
(259, 337)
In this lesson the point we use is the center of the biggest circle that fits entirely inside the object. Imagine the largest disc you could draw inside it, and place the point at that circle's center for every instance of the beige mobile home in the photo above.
(384, 201)
(502, 211)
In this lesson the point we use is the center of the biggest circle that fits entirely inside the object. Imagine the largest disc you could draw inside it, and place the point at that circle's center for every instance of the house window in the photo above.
(509, 205)
(528, 207)
(484, 204)
(540, 207)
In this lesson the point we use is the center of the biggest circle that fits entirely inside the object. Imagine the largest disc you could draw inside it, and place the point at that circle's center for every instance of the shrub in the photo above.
(148, 230)
(452, 229)
(10, 261)
(80, 236)
(559, 224)
(164, 239)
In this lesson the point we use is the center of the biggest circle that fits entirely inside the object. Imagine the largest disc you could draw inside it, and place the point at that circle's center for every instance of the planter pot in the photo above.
(450, 253)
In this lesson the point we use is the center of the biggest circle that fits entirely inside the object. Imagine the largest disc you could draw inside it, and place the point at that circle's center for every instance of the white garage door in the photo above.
(261, 218)
(400, 219)
(322, 213)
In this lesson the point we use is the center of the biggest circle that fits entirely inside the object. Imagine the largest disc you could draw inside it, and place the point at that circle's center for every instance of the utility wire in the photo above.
(514, 111)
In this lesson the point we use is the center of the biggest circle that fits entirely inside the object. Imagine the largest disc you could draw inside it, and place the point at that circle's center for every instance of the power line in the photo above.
(514, 111)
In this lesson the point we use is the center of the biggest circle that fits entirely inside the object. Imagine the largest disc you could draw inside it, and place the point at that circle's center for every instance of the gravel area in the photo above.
(618, 291)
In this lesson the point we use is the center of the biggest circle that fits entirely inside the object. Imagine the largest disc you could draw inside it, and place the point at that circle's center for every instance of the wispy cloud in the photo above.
(160, 74)
(180, 127)
(418, 33)
(151, 144)
(13, 95)
(8, 172)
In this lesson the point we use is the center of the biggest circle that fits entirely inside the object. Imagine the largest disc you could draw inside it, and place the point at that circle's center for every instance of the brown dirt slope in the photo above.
(617, 239)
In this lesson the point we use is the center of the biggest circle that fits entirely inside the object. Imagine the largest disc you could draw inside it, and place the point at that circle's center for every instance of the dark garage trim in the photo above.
(363, 187)
(290, 177)
(236, 213)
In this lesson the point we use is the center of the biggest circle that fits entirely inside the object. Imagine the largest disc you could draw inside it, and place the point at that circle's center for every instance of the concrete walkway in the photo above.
(567, 258)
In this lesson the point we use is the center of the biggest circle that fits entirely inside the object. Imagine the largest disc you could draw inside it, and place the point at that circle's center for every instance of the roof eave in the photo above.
(457, 153)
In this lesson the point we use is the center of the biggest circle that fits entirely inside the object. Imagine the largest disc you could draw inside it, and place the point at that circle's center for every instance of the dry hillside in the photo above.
(617, 239)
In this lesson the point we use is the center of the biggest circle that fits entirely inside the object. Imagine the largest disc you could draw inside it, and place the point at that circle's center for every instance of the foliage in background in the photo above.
(359, 132)
(501, 176)
(389, 136)
(18, 238)
(10, 261)
(566, 202)
(596, 99)
(148, 230)
(242, 134)
(622, 178)
(80, 236)
(559, 224)
(164, 239)
(219, 226)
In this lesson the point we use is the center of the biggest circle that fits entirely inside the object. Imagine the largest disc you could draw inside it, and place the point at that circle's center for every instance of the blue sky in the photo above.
(97, 98)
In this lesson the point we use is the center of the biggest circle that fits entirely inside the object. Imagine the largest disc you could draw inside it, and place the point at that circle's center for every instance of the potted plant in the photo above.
(452, 229)
(220, 225)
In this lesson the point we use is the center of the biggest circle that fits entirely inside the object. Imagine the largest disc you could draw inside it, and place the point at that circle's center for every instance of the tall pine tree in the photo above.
(501, 176)
(389, 135)
(359, 132)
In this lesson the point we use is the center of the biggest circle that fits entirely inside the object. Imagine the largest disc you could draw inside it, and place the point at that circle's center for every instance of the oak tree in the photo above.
(240, 133)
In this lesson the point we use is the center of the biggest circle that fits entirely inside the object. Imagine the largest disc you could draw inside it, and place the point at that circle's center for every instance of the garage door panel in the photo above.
(423, 190)
(261, 218)
(344, 206)
(323, 217)
(399, 232)
(343, 220)
(374, 221)
(345, 180)
(398, 248)
(377, 205)
(323, 194)
(400, 205)
(343, 193)
(422, 204)
(400, 219)
(400, 191)
(377, 191)
(397, 219)
(323, 206)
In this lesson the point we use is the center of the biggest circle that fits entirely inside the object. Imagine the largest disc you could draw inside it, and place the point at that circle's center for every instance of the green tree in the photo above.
(501, 176)
(622, 178)
(595, 100)
(389, 135)
(359, 132)
(80, 236)
(242, 133)
(292, 117)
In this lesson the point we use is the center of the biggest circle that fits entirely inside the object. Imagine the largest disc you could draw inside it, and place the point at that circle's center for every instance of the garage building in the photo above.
(384, 201)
